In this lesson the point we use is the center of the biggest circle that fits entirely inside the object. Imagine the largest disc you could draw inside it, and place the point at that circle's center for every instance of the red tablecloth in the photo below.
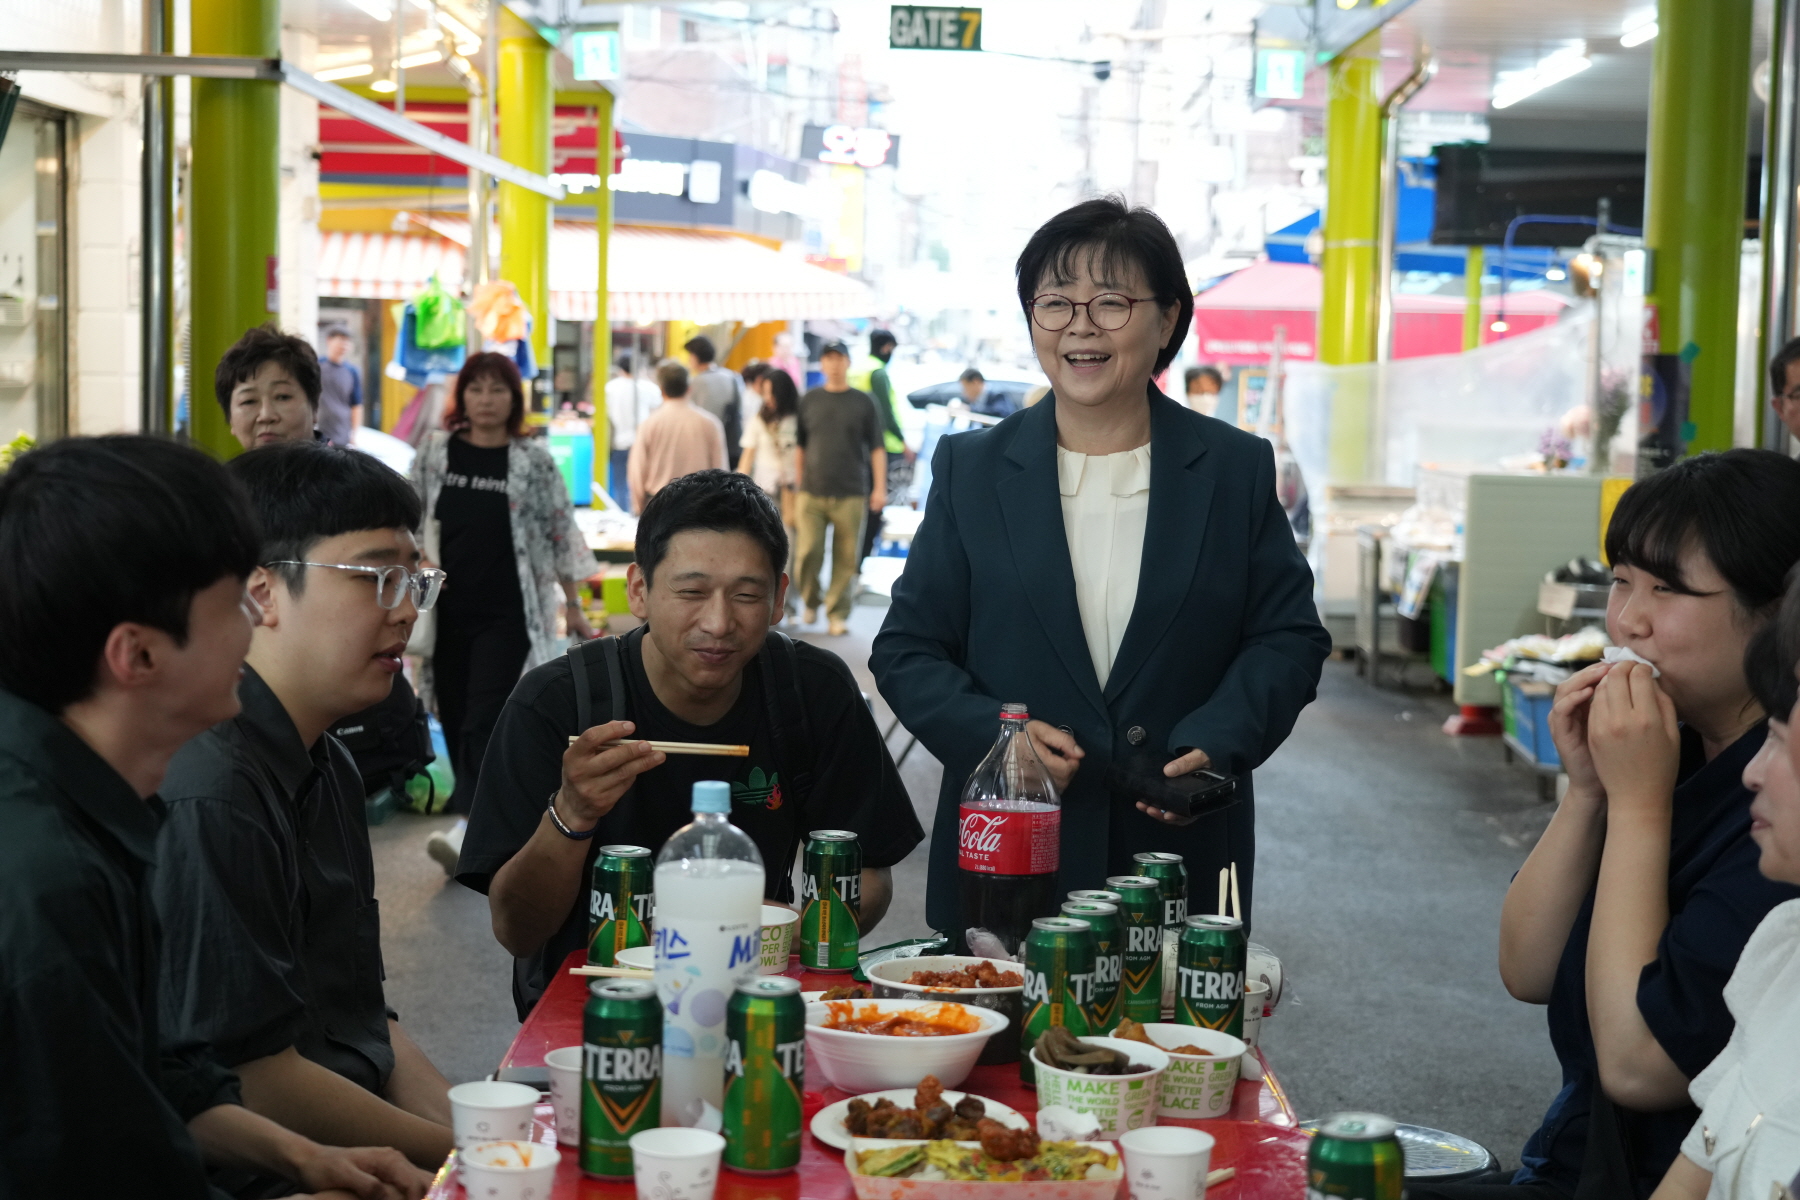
(1258, 1138)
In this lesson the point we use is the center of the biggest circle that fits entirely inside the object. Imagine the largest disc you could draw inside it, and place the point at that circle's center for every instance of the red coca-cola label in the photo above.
(1009, 843)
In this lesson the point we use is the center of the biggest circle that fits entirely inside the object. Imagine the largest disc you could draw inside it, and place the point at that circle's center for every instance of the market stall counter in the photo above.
(1258, 1140)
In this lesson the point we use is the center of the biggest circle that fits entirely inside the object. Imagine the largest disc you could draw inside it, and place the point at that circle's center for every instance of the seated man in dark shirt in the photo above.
(123, 623)
(266, 885)
(709, 582)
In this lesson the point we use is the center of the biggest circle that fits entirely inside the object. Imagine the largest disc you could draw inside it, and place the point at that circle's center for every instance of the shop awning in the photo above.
(654, 274)
(1235, 320)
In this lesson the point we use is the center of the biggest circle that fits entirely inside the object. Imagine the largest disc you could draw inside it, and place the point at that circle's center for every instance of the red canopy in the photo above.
(1235, 320)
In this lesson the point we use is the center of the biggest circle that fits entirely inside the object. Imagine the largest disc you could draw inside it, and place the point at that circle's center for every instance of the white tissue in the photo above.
(1060, 1123)
(1616, 654)
(983, 944)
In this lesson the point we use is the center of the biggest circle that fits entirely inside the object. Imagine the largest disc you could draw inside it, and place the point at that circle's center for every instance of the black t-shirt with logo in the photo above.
(475, 534)
(854, 783)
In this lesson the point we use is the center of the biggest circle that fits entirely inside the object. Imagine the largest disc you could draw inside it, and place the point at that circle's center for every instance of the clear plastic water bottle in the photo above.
(1009, 837)
(709, 891)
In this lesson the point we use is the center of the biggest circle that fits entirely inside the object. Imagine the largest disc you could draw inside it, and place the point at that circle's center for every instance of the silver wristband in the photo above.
(564, 829)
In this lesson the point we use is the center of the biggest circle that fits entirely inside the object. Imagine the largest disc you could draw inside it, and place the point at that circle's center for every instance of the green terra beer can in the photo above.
(1355, 1156)
(1140, 921)
(1103, 895)
(621, 901)
(1170, 874)
(621, 1073)
(1209, 974)
(765, 1071)
(831, 899)
(1109, 957)
(1059, 983)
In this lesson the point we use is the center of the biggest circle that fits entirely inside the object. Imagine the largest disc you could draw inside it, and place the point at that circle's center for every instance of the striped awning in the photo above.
(654, 274)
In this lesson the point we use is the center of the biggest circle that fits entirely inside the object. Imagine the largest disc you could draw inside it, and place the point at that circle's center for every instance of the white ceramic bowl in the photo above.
(866, 1062)
(887, 980)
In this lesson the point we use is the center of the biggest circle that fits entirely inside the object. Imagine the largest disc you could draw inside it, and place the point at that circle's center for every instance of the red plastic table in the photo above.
(1259, 1137)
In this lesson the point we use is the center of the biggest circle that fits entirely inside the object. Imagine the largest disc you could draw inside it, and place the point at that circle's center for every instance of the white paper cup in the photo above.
(565, 1093)
(778, 925)
(1166, 1162)
(1197, 1086)
(676, 1164)
(491, 1111)
(509, 1170)
(638, 958)
(1256, 1002)
(1118, 1102)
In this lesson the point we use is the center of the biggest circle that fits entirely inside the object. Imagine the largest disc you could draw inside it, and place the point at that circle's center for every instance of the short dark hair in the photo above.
(493, 365)
(623, 363)
(721, 501)
(95, 532)
(701, 347)
(1778, 365)
(1120, 236)
(971, 376)
(754, 371)
(305, 492)
(1736, 505)
(1771, 656)
(882, 339)
(1192, 373)
(266, 344)
(672, 380)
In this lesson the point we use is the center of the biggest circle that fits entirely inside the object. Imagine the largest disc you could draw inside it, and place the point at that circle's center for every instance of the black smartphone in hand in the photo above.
(1195, 794)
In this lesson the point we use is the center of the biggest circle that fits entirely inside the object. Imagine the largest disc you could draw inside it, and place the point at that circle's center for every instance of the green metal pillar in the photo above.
(525, 134)
(1472, 272)
(1347, 312)
(235, 203)
(603, 218)
(1694, 219)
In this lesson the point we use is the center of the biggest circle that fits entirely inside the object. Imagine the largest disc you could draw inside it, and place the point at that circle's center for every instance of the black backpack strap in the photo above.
(789, 726)
(615, 674)
(580, 655)
(584, 706)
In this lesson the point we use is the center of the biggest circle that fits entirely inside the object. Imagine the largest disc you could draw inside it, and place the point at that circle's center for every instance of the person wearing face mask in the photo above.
(1116, 561)
(268, 385)
(1629, 915)
(499, 521)
(1747, 1139)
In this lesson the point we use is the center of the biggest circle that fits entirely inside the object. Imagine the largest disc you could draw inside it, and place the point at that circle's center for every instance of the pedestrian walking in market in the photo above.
(677, 439)
(499, 521)
(629, 400)
(340, 388)
(1116, 562)
(842, 463)
(717, 391)
(872, 377)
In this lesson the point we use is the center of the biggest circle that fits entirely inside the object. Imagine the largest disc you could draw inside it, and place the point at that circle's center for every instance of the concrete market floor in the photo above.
(1384, 846)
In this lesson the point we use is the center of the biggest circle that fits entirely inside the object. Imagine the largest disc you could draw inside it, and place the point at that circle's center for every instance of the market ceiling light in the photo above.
(1638, 29)
(421, 60)
(1514, 86)
(384, 85)
(463, 35)
(375, 8)
(351, 72)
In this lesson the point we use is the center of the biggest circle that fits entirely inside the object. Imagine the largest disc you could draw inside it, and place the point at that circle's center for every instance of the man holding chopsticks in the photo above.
(783, 722)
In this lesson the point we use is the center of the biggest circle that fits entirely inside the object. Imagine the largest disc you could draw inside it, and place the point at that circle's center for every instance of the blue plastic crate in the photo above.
(1531, 721)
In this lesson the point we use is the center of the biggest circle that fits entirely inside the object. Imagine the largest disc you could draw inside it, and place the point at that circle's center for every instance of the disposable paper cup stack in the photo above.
(778, 925)
(1197, 1086)
(675, 1163)
(565, 1093)
(1118, 1102)
(490, 1111)
(1167, 1162)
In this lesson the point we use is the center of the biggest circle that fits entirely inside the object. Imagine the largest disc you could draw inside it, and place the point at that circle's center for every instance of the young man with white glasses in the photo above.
(265, 885)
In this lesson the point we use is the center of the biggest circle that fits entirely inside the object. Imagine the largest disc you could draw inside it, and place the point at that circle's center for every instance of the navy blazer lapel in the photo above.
(1180, 499)
(1032, 506)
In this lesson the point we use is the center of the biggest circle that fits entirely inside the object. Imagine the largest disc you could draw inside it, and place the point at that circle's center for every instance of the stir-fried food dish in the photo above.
(930, 1117)
(1063, 1050)
(1058, 1161)
(847, 991)
(981, 975)
(1132, 1031)
(940, 1020)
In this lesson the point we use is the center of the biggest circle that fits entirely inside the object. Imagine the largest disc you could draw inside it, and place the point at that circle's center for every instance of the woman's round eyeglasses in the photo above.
(1108, 310)
(391, 583)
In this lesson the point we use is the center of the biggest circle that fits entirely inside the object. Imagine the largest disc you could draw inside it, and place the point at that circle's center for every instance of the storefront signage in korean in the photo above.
(848, 146)
(927, 27)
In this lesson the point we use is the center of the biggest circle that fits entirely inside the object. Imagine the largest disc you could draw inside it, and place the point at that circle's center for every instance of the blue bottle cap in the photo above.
(712, 796)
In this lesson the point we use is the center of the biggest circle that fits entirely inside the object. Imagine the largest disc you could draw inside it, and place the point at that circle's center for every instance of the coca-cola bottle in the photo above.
(1009, 837)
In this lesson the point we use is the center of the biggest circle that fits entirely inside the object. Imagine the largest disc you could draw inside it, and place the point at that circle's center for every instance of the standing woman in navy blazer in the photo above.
(1112, 559)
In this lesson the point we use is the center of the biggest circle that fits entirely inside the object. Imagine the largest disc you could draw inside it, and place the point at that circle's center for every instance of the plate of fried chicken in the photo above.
(927, 1112)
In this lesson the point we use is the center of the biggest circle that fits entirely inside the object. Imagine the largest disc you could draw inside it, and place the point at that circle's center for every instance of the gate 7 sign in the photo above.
(925, 27)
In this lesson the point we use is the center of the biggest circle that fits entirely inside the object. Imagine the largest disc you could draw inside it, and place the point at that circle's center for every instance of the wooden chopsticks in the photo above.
(706, 749)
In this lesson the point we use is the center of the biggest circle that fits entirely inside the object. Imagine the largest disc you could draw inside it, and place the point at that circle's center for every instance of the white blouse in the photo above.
(1748, 1134)
(1105, 501)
